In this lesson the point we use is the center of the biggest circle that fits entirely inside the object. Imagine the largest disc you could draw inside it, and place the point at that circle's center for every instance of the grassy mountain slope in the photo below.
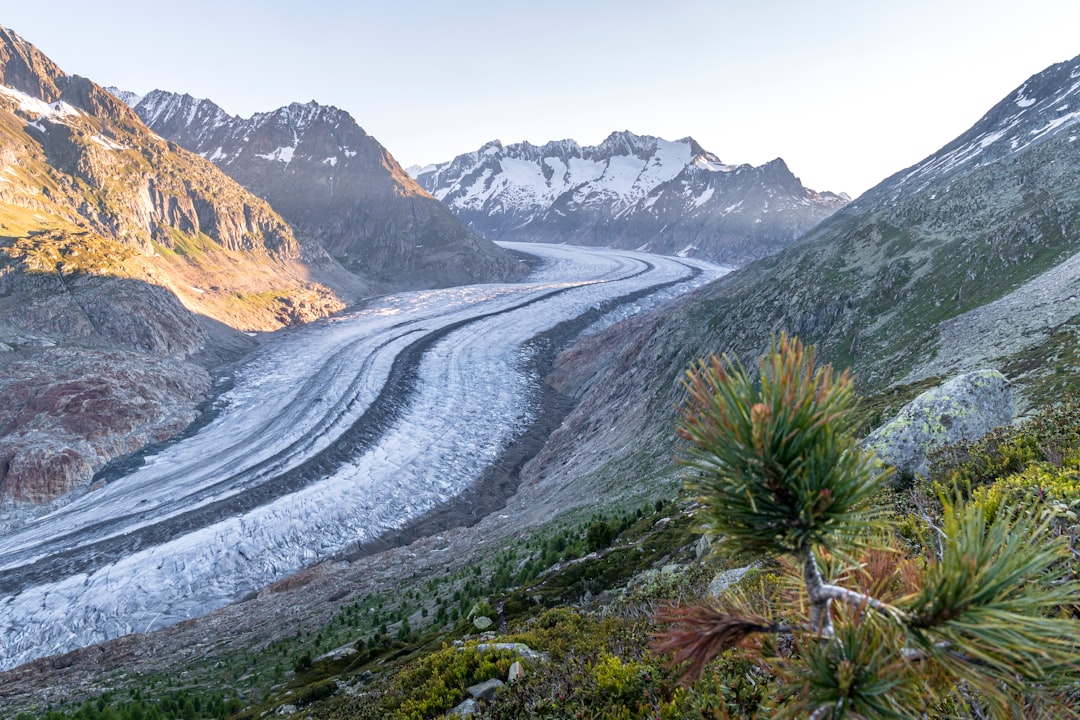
(919, 278)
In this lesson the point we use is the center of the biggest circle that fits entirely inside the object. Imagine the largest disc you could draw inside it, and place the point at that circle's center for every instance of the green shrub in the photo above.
(598, 536)
(436, 682)
(304, 662)
(315, 692)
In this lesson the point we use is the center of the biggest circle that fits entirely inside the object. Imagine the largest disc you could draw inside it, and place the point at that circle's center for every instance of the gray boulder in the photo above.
(466, 709)
(485, 690)
(725, 579)
(520, 648)
(516, 672)
(965, 408)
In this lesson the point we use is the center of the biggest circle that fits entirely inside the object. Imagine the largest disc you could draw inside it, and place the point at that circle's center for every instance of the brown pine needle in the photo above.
(698, 633)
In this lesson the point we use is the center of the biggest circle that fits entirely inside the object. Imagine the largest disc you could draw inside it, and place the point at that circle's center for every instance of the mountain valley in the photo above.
(130, 266)
(369, 477)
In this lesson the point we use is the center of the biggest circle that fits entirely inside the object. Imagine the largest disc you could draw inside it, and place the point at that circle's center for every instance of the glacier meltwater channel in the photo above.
(330, 435)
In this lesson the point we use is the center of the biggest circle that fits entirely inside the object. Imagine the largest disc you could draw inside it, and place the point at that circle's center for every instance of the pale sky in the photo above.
(847, 92)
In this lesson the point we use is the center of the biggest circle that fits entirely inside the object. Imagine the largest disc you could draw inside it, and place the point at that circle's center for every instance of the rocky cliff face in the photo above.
(121, 255)
(106, 172)
(336, 185)
(631, 191)
(68, 411)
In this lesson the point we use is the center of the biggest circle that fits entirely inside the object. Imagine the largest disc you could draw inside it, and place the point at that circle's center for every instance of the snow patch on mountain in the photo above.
(107, 143)
(1034, 112)
(218, 154)
(38, 109)
(282, 154)
(127, 97)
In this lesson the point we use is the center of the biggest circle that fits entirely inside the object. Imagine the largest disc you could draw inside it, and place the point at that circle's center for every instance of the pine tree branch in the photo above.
(860, 600)
(820, 615)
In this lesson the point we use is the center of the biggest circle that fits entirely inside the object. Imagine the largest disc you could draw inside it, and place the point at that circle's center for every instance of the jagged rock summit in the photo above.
(336, 185)
(631, 191)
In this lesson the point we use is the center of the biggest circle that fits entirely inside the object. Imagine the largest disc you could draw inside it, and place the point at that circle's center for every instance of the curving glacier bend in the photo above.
(309, 451)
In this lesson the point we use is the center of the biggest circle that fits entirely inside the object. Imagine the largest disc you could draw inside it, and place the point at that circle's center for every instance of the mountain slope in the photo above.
(630, 191)
(968, 259)
(337, 185)
(122, 257)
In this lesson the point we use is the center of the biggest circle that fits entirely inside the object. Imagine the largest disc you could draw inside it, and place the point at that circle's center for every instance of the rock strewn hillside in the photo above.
(966, 268)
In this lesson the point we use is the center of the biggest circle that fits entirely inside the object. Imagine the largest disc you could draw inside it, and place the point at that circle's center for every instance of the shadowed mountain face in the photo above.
(337, 185)
(631, 191)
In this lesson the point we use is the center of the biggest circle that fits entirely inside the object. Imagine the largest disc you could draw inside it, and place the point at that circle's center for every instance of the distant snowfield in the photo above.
(303, 459)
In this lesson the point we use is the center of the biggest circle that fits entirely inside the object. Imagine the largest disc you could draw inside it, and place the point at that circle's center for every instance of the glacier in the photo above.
(330, 435)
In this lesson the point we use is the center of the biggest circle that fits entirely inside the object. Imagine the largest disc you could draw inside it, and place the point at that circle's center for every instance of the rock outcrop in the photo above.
(59, 427)
(965, 408)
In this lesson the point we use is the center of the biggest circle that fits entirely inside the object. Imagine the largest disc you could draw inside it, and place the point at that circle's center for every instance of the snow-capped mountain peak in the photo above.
(633, 191)
(127, 97)
(337, 185)
(528, 178)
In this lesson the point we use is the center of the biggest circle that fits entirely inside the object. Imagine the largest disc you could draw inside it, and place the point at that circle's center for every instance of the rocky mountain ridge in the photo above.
(122, 257)
(336, 185)
(630, 191)
(1045, 105)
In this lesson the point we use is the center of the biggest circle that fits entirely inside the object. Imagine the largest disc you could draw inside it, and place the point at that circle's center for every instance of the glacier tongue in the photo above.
(208, 519)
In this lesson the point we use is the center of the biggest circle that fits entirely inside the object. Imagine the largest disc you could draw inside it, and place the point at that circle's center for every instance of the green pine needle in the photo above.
(776, 465)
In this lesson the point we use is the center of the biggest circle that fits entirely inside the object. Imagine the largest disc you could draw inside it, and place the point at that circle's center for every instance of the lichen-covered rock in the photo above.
(725, 579)
(965, 408)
